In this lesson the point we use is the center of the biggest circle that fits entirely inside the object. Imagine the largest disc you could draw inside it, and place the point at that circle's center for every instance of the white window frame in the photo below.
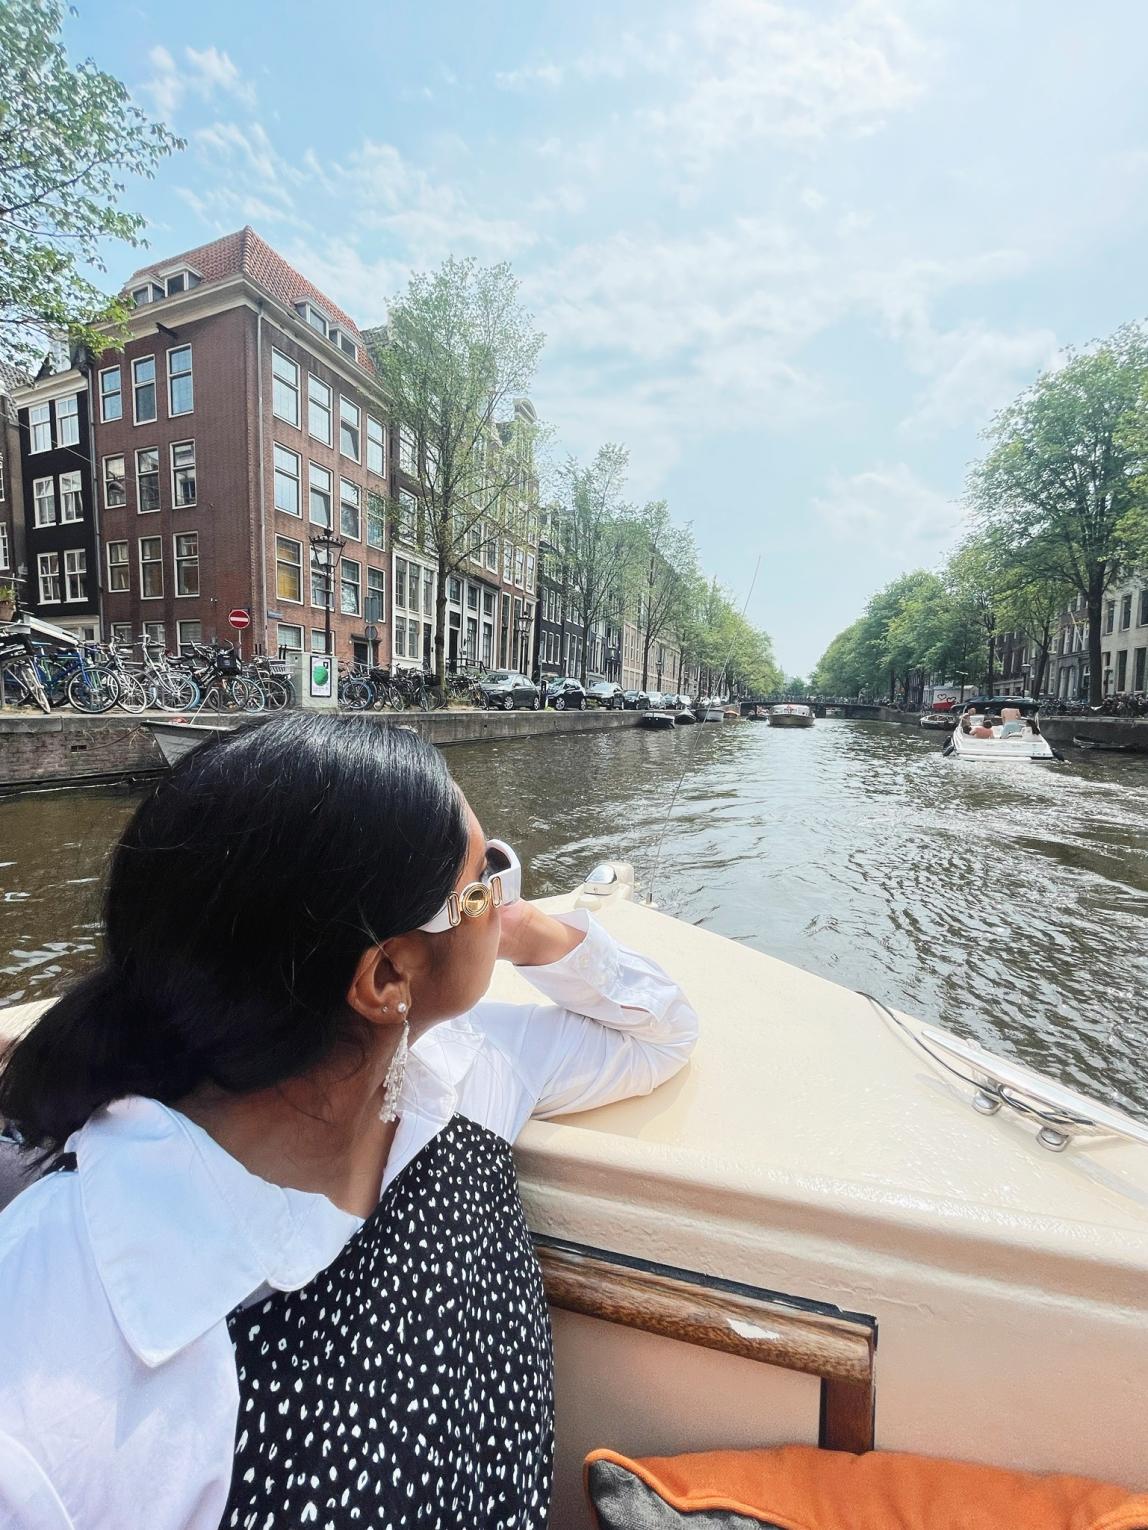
(73, 417)
(316, 383)
(5, 552)
(293, 542)
(116, 393)
(154, 510)
(176, 469)
(348, 563)
(408, 450)
(292, 627)
(75, 568)
(180, 641)
(39, 418)
(289, 475)
(122, 633)
(318, 640)
(39, 498)
(355, 498)
(349, 404)
(173, 377)
(137, 385)
(143, 563)
(185, 558)
(71, 496)
(291, 387)
(115, 565)
(380, 574)
(155, 632)
(376, 443)
(381, 514)
(44, 571)
(114, 457)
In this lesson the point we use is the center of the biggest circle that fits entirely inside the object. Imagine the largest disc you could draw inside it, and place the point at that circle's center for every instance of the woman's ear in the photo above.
(378, 989)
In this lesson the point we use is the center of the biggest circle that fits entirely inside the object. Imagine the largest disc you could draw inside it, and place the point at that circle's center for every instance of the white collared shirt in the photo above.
(118, 1392)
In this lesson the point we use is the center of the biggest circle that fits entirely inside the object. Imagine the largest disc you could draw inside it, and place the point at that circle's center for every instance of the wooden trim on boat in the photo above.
(797, 1335)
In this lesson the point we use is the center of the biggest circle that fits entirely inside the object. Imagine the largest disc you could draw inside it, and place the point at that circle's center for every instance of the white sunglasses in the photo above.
(499, 884)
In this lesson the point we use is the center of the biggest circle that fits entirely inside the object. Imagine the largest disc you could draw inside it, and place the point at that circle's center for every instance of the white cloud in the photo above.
(203, 73)
(891, 510)
(534, 74)
(974, 371)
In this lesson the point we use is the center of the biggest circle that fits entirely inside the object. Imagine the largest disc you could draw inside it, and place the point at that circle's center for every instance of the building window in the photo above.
(400, 642)
(148, 293)
(488, 603)
(1, 477)
(188, 633)
(187, 563)
(492, 554)
(287, 482)
(472, 597)
(348, 347)
(1138, 669)
(119, 575)
(68, 421)
(349, 516)
(151, 568)
(376, 520)
(48, 572)
(111, 395)
(155, 632)
(289, 570)
(376, 453)
(71, 500)
(318, 641)
(408, 516)
(530, 568)
(454, 590)
(320, 486)
(322, 581)
(407, 447)
(40, 427)
(44, 499)
(143, 390)
(180, 389)
(313, 317)
(147, 479)
(348, 428)
(400, 582)
(1126, 613)
(115, 487)
(519, 566)
(1109, 615)
(428, 592)
(75, 574)
(5, 554)
(182, 474)
(1142, 614)
(284, 388)
(318, 409)
(1121, 669)
(289, 638)
(122, 633)
(350, 582)
(376, 595)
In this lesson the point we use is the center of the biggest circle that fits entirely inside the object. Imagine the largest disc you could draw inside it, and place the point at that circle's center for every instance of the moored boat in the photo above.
(940, 722)
(656, 719)
(920, 1246)
(790, 714)
(176, 738)
(999, 728)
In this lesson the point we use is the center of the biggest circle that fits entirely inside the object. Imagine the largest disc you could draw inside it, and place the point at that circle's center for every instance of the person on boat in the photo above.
(277, 1272)
(983, 728)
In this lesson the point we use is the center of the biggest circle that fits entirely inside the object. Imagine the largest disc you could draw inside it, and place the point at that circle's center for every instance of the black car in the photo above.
(636, 701)
(507, 689)
(564, 692)
(605, 693)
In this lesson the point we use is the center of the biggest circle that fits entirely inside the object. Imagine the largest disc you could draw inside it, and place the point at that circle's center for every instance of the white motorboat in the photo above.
(940, 722)
(709, 710)
(176, 737)
(790, 714)
(837, 1225)
(1010, 733)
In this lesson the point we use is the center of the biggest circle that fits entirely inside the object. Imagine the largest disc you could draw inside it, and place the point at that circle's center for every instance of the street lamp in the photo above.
(522, 628)
(329, 548)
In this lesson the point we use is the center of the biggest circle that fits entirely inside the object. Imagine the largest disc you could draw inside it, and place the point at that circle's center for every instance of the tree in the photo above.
(69, 137)
(662, 563)
(596, 536)
(456, 350)
(1064, 482)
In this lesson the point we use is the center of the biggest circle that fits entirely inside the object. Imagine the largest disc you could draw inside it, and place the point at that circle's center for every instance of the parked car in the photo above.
(507, 689)
(636, 701)
(565, 692)
(686, 701)
(605, 693)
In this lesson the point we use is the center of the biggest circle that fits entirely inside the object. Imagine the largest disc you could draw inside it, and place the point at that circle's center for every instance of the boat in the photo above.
(1014, 727)
(838, 1225)
(790, 714)
(941, 722)
(684, 716)
(176, 737)
(709, 710)
(656, 719)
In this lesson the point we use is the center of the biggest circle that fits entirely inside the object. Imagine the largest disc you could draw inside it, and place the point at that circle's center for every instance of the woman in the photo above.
(277, 1272)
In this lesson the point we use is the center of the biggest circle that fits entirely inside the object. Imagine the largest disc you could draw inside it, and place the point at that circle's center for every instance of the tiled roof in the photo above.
(244, 253)
(10, 377)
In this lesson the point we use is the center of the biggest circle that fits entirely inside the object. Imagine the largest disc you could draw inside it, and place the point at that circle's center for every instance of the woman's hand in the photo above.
(531, 938)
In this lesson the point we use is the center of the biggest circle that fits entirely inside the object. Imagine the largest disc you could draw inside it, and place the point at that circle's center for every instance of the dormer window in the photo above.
(348, 345)
(150, 292)
(313, 317)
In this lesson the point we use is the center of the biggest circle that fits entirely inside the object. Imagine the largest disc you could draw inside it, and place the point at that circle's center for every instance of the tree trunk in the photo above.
(1095, 637)
(646, 661)
(990, 658)
(584, 657)
(440, 624)
(1043, 648)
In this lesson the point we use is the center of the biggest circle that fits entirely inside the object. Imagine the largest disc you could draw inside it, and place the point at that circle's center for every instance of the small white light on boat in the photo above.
(1052, 1139)
(986, 1103)
(601, 876)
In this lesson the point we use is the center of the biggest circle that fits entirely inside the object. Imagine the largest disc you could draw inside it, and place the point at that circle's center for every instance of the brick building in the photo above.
(13, 555)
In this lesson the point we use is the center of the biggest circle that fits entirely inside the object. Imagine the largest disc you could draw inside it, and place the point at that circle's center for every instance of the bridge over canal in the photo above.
(855, 709)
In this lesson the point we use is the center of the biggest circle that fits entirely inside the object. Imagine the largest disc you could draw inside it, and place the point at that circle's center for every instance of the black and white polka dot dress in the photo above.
(411, 1382)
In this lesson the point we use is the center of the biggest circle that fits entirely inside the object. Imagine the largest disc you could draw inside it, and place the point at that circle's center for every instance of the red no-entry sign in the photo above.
(239, 618)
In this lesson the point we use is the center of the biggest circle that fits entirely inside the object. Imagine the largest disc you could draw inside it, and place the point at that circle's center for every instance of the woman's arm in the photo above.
(617, 1024)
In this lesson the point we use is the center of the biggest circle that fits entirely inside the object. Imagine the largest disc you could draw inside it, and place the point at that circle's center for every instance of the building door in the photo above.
(360, 651)
(452, 643)
(1121, 669)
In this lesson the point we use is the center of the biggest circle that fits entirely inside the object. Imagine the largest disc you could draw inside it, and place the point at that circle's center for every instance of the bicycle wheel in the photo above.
(355, 695)
(175, 693)
(32, 692)
(54, 676)
(93, 689)
(133, 696)
(246, 695)
(394, 699)
(277, 691)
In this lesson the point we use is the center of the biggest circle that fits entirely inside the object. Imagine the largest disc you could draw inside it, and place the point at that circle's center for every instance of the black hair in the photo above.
(239, 901)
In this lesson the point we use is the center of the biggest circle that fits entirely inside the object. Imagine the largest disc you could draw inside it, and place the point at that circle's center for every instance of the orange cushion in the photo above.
(799, 1487)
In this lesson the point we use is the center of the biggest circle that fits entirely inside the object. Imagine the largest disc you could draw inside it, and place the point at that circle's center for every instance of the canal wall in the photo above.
(1130, 733)
(68, 749)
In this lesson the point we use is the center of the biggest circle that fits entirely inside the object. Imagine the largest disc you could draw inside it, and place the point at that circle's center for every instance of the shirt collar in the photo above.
(182, 1233)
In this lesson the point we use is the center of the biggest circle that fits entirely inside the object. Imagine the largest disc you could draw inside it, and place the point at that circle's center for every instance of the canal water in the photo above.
(1008, 902)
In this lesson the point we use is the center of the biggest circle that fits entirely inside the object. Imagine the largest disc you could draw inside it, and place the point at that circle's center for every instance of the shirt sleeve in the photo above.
(617, 1025)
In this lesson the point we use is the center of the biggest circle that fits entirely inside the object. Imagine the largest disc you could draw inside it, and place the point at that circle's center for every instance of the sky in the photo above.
(792, 255)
